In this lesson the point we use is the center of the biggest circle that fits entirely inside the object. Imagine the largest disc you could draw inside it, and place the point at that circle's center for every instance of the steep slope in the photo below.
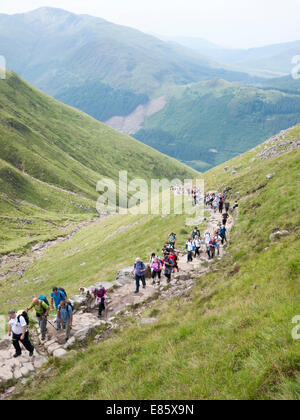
(230, 337)
(64, 147)
(44, 140)
(208, 123)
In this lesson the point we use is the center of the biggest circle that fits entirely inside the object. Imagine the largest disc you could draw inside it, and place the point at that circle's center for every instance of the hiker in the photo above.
(42, 308)
(215, 205)
(152, 259)
(65, 317)
(212, 249)
(197, 245)
(227, 205)
(139, 269)
(223, 231)
(172, 239)
(217, 239)
(18, 328)
(169, 265)
(156, 268)
(190, 249)
(174, 257)
(225, 217)
(221, 205)
(207, 240)
(196, 232)
(100, 299)
(57, 295)
(236, 206)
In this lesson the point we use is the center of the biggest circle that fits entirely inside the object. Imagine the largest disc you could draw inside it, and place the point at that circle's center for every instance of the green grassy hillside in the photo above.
(67, 149)
(208, 123)
(231, 340)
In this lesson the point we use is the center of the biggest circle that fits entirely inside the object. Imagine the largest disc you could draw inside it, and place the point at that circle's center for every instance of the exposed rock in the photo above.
(147, 321)
(270, 176)
(82, 335)
(59, 353)
(278, 234)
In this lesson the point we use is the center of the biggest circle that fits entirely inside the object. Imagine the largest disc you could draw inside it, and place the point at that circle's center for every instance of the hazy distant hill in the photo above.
(209, 122)
(271, 59)
(57, 50)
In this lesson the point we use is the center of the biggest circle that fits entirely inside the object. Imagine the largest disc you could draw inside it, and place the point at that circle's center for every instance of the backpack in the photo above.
(69, 304)
(24, 314)
(61, 289)
(44, 299)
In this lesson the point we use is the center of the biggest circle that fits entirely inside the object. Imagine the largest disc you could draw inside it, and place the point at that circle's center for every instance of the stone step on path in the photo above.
(20, 367)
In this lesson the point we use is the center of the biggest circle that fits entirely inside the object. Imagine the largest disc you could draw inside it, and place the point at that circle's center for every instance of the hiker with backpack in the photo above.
(223, 231)
(100, 299)
(190, 249)
(139, 270)
(18, 328)
(196, 232)
(65, 317)
(169, 265)
(156, 268)
(42, 308)
(172, 239)
(58, 295)
(212, 248)
(197, 245)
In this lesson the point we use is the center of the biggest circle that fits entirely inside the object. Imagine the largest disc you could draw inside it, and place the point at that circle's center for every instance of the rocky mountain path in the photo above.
(121, 302)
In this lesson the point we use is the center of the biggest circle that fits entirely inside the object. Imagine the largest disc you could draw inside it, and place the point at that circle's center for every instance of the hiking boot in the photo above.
(43, 338)
(31, 353)
(136, 292)
(17, 355)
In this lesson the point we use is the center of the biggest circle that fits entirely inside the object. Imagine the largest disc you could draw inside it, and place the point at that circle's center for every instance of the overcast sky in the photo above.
(233, 23)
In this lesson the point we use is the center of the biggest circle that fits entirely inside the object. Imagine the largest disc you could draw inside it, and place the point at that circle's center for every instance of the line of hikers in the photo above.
(210, 242)
(194, 245)
(18, 326)
(19, 322)
(154, 269)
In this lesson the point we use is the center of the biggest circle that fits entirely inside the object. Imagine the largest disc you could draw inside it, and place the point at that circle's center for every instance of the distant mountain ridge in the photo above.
(269, 60)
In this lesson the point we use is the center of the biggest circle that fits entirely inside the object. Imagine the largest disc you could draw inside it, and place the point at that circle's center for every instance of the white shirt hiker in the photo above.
(17, 327)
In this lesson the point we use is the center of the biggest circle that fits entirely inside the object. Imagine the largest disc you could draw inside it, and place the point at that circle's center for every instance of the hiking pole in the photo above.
(51, 323)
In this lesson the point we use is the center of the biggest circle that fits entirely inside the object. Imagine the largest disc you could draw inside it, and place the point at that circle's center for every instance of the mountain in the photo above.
(63, 54)
(285, 84)
(228, 335)
(210, 122)
(47, 148)
(270, 60)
